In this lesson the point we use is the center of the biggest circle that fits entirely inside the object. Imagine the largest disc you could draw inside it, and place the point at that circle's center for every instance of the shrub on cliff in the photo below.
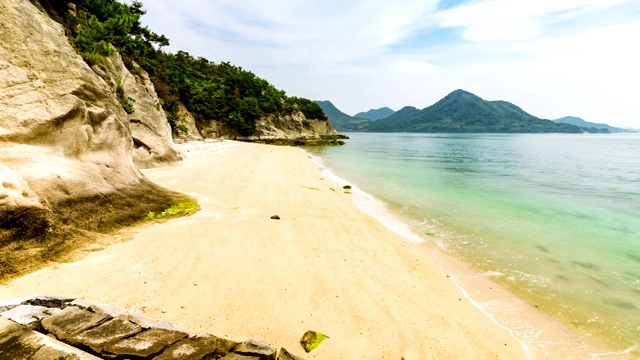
(210, 91)
(97, 28)
(310, 109)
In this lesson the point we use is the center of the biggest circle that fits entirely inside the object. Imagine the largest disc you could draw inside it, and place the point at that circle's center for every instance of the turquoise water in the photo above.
(556, 217)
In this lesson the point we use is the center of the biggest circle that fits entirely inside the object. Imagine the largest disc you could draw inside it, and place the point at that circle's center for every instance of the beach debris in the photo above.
(347, 187)
(347, 192)
(275, 217)
(311, 340)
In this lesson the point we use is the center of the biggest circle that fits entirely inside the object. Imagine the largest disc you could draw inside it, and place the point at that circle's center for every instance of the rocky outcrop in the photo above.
(188, 123)
(108, 332)
(292, 129)
(151, 133)
(65, 141)
(20, 342)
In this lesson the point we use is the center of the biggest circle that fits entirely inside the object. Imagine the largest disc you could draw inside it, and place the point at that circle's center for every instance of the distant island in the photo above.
(458, 112)
(582, 123)
(375, 114)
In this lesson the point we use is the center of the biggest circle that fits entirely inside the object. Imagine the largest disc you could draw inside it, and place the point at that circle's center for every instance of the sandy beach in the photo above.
(325, 265)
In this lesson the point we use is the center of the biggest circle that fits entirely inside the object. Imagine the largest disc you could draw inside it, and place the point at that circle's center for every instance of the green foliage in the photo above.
(171, 110)
(98, 28)
(222, 92)
(93, 58)
(306, 123)
(125, 102)
(182, 128)
(210, 91)
(183, 208)
(310, 109)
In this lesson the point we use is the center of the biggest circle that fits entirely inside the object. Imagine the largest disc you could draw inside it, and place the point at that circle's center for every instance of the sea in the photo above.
(555, 218)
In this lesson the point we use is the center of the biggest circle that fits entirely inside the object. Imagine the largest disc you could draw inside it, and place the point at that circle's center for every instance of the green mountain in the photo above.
(461, 111)
(342, 121)
(406, 112)
(580, 122)
(375, 114)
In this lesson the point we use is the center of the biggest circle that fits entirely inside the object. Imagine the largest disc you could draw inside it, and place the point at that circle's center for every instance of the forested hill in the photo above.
(461, 111)
(234, 98)
(342, 121)
(406, 112)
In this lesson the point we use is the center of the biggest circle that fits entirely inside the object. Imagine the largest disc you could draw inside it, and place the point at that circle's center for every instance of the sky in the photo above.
(553, 58)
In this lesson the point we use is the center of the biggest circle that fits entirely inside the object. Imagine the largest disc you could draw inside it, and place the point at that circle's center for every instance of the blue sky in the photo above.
(553, 58)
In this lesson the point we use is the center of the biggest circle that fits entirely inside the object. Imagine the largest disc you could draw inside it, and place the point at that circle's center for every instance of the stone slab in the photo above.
(99, 337)
(29, 315)
(144, 345)
(49, 301)
(30, 300)
(19, 342)
(14, 343)
(72, 321)
(110, 333)
(256, 348)
(199, 347)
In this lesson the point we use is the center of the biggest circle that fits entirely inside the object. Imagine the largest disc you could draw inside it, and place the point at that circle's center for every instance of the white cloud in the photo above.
(553, 58)
(517, 19)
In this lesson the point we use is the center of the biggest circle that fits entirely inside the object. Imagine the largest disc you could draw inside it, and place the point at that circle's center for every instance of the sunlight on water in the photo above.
(556, 216)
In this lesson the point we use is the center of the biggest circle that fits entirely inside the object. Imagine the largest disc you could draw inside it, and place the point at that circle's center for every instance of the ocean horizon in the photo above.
(553, 217)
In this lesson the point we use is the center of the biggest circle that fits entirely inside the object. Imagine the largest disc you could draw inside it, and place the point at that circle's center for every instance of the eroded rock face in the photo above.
(65, 141)
(58, 120)
(273, 127)
(185, 118)
(151, 133)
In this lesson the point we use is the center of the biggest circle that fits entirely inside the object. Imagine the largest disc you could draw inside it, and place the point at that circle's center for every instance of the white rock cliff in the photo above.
(66, 145)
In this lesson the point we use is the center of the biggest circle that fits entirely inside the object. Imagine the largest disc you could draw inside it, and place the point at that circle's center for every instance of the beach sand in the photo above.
(232, 271)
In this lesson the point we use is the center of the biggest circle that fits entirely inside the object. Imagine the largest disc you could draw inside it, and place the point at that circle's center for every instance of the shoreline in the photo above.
(540, 335)
(326, 266)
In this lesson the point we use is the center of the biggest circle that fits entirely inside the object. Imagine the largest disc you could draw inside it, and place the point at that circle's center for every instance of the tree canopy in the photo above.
(210, 91)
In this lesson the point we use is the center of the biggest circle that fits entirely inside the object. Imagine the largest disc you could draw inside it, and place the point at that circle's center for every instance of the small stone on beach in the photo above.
(275, 217)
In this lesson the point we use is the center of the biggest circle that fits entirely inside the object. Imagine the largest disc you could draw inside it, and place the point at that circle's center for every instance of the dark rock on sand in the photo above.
(256, 348)
(72, 321)
(145, 344)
